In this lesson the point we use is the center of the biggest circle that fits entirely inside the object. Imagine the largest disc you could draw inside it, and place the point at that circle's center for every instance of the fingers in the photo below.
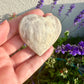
(8, 76)
(26, 69)
(4, 30)
(22, 56)
(13, 45)
(4, 58)
(7, 32)
(14, 23)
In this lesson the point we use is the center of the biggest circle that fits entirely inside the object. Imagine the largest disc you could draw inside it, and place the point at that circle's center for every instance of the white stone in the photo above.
(39, 33)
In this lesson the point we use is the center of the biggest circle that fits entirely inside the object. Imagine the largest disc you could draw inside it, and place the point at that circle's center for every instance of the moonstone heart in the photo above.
(39, 33)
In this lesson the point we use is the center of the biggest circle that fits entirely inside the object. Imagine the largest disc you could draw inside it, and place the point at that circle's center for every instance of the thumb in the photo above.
(4, 30)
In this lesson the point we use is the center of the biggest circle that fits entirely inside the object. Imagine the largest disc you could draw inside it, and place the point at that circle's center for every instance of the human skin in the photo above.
(22, 64)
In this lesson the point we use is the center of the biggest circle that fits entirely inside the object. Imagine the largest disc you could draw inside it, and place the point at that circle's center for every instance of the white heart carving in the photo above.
(39, 33)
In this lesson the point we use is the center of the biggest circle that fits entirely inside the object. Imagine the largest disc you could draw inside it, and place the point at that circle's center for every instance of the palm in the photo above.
(22, 64)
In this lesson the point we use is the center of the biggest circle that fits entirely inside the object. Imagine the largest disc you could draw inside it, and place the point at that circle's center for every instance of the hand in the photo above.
(22, 64)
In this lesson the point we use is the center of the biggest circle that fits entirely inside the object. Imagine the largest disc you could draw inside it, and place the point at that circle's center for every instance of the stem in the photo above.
(74, 30)
(70, 27)
(51, 10)
(63, 19)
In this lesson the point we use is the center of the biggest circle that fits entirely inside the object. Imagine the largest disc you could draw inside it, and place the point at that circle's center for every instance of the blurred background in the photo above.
(8, 7)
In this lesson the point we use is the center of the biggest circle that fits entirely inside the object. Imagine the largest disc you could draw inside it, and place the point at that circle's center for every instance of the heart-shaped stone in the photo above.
(39, 33)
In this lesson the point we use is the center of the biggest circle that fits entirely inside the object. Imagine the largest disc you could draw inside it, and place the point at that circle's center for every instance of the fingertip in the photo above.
(4, 22)
(4, 30)
(48, 53)
(47, 14)
(5, 26)
(34, 11)
(50, 50)
(39, 11)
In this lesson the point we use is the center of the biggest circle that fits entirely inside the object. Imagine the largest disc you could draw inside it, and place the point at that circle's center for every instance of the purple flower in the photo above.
(81, 24)
(58, 50)
(60, 10)
(79, 52)
(54, 3)
(68, 47)
(74, 50)
(79, 17)
(82, 13)
(71, 49)
(72, 6)
(81, 44)
(63, 50)
(24, 44)
(40, 4)
(70, 10)
(82, 53)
